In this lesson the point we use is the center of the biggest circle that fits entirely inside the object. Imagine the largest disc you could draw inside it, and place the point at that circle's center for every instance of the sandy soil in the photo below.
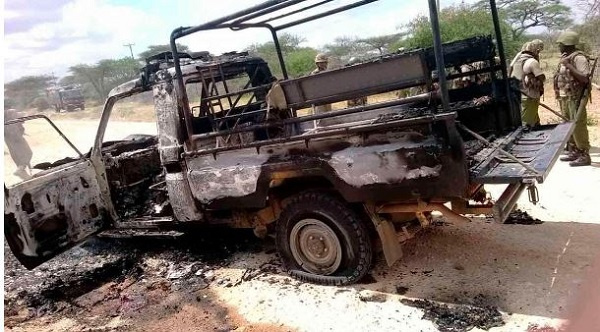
(530, 272)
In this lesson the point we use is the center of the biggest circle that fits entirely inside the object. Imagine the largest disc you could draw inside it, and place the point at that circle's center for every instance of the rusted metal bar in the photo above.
(500, 44)
(234, 93)
(546, 107)
(423, 207)
(321, 15)
(346, 111)
(267, 10)
(439, 53)
(334, 132)
(296, 11)
(40, 116)
(499, 149)
(507, 201)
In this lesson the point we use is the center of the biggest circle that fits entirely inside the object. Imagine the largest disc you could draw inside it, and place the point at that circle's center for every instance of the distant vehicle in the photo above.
(67, 98)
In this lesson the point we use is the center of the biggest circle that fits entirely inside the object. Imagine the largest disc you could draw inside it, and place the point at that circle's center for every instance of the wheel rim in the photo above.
(315, 247)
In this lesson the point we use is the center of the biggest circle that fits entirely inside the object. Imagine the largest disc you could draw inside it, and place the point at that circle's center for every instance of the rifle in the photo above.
(586, 90)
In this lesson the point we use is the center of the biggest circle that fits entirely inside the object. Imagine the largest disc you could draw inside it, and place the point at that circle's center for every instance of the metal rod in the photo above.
(265, 11)
(279, 53)
(182, 32)
(439, 53)
(404, 208)
(546, 107)
(40, 116)
(507, 154)
(182, 97)
(347, 111)
(334, 132)
(327, 13)
(500, 43)
(295, 11)
(256, 88)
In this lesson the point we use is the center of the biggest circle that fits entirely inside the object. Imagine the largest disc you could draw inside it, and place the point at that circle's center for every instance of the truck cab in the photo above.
(241, 148)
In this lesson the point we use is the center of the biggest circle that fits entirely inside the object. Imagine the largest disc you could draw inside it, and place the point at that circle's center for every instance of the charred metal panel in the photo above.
(167, 118)
(388, 163)
(52, 212)
(387, 74)
(232, 174)
(370, 167)
(182, 202)
(538, 148)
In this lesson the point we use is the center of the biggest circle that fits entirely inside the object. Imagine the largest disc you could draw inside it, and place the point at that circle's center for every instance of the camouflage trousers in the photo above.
(568, 106)
(529, 113)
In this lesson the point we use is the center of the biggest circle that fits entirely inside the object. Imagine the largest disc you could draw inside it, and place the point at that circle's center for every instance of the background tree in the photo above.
(155, 49)
(591, 8)
(457, 22)
(23, 91)
(106, 74)
(381, 43)
(299, 60)
(523, 15)
(345, 47)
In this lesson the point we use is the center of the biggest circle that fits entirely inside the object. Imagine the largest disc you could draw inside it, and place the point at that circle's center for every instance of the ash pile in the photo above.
(120, 277)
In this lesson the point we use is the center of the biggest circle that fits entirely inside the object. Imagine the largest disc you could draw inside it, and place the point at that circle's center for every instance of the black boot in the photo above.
(571, 156)
(583, 160)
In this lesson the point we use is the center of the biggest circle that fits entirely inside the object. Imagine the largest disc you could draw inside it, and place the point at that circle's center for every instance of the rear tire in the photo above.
(320, 239)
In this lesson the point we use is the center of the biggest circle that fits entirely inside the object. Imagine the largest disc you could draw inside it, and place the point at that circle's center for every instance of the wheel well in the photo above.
(292, 186)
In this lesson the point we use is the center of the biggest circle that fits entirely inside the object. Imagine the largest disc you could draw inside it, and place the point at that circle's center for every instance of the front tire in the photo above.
(322, 240)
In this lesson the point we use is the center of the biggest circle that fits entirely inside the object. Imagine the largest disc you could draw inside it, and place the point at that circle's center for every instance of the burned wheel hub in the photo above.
(315, 247)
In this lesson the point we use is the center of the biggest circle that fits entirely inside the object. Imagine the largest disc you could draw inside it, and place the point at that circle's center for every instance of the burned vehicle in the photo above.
(249, 153)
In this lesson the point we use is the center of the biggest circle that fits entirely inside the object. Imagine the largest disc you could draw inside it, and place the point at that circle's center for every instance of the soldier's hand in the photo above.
(564, 61)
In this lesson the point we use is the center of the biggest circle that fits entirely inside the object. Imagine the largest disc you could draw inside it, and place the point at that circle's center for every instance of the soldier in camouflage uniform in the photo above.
(527, 70)
(360, 101)
(570, 82)
(321, 61)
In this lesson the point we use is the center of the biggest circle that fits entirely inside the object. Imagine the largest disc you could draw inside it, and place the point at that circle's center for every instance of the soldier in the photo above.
(570, 84)
(360, 101)
(527, 70)
(321, 61)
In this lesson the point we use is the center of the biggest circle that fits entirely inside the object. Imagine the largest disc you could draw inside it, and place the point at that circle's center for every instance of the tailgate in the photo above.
(538, 148)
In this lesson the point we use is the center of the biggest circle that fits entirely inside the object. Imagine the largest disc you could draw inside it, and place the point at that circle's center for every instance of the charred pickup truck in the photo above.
(249, 153)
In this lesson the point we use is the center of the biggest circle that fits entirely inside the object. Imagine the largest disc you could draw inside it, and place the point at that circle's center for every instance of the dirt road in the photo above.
(212, 280)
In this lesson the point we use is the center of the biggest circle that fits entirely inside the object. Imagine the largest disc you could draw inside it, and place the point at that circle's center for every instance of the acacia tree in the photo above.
(381, 43)
(523, 15)
(591, 8)
(23, 91)
(456, 23)
(298, 59)
(106, 74)
(155, 49)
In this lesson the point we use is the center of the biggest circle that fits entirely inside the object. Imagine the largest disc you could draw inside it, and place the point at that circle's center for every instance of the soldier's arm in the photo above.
(537, 71)
(579, 67)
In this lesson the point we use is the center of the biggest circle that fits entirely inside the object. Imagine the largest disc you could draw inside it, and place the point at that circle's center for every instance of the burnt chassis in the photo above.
(396, 158)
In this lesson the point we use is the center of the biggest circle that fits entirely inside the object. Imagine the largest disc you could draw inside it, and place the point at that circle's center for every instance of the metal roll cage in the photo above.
(241, 20)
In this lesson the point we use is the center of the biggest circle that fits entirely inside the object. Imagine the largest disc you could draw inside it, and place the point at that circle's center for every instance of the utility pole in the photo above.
(130, 49)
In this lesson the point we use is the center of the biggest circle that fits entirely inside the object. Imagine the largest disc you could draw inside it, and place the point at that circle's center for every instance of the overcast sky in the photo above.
(48, 36)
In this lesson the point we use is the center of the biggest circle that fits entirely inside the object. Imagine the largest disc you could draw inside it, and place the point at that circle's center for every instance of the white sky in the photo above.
(48, 36)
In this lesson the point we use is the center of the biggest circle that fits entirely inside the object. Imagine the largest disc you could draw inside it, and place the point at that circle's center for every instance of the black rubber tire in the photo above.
(346, 224)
